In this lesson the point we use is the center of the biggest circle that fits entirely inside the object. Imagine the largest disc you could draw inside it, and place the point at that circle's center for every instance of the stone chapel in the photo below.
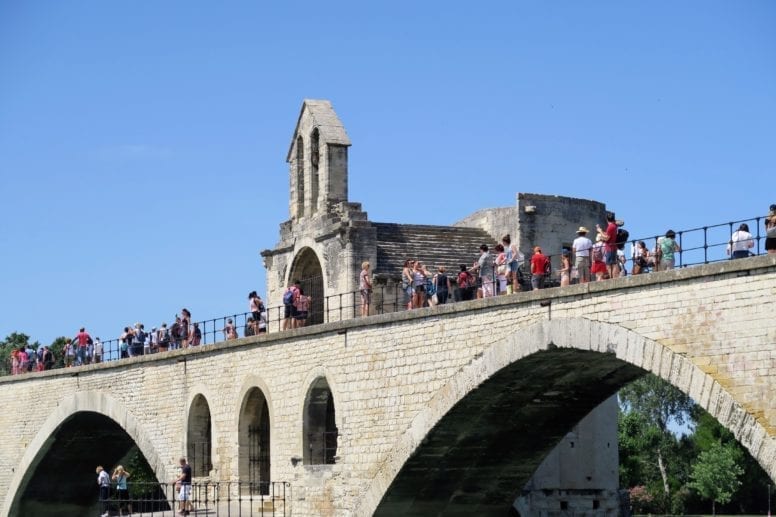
(327, 237)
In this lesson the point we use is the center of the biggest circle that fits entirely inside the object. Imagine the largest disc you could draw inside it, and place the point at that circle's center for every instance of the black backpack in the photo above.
(622, 238)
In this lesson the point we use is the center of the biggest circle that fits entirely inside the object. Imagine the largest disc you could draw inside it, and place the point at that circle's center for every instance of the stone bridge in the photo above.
(431, 412)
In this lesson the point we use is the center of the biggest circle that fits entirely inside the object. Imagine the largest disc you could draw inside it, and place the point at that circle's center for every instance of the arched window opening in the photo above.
(299, 177)
(199, 435)
(307, 269)
(315, 179)
(320, 427)
(254, 444)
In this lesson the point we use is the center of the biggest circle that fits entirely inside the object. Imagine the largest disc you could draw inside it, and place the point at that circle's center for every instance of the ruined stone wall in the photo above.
(552, 222)
(708, 330)
(496, 221)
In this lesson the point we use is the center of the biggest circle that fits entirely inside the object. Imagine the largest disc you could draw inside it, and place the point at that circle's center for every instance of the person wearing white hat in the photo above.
(581, 248)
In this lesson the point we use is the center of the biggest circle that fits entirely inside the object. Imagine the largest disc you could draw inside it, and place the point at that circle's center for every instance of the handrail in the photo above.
(697, 243)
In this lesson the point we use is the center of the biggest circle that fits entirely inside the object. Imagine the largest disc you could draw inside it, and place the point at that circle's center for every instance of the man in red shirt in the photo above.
(82, 339)
(539, 264)
(610, 238)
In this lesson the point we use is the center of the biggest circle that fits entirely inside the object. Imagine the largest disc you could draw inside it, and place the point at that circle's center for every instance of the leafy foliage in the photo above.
(715, 476)
(662, 470)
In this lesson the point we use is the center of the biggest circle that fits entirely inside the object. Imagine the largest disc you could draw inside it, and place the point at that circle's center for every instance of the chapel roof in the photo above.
(435, 246)
(325, 119)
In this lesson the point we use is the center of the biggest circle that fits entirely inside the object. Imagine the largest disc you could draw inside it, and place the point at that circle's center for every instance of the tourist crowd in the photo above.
(497, 272)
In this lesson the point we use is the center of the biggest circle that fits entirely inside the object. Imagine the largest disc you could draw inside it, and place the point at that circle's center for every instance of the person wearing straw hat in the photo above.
(581, 248)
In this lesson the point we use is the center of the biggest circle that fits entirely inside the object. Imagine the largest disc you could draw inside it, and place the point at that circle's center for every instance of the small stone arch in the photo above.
(87, 401)
(320, 433)
(199, 437)
(619, 344)
(307, 268)
(315, 187)
(254, 447)
(299, 178)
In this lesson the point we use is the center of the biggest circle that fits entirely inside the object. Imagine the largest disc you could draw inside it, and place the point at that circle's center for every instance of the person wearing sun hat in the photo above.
(581, 248)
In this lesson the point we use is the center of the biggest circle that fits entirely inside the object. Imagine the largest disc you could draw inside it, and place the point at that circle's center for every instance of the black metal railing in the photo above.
(702, 245)
(210, 498)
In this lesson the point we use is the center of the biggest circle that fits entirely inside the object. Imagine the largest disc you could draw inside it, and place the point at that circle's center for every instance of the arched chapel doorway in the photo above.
(307, 269)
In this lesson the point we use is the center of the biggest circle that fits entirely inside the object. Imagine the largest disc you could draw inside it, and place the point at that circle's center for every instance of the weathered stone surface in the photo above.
(396, 377)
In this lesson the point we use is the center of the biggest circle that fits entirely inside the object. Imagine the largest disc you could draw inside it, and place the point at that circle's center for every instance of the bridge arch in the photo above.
(621, 356)
(82, 402)
(254, 436)
(199, 436)
(320, 379)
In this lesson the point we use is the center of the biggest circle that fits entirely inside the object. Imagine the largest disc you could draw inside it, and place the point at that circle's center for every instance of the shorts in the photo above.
(611, 258)
(185, 493)
(366, 296)
(513, 266)
(770, 243)
(300, 315)
(598, 267)
(290, 311)
(420, 289)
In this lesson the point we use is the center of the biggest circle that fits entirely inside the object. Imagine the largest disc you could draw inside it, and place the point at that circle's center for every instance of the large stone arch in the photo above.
(87, 401)
(610, 343)
(308, 268)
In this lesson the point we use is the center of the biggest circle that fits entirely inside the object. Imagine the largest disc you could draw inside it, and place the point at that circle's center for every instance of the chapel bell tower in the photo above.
(318, 161)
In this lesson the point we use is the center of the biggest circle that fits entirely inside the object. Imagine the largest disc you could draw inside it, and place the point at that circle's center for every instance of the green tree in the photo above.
(750, 497)
(658, 404)
(715, 476)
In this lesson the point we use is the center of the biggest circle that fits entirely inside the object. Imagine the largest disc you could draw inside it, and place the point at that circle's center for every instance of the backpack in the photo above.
(598, 253)
(288, 297)
(622, 238)
(140, 336)
(164, 337)
(463, 279)
(430, 287)
(547, 266)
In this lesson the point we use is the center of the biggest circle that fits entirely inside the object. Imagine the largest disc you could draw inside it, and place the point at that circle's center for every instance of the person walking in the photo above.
(539, 265)
(103, 481)
(565, 268)
(365, 288)
(485, 266)
(581, 248)
(80, 342)
(442, 285)
(514, 259)
(184, 481)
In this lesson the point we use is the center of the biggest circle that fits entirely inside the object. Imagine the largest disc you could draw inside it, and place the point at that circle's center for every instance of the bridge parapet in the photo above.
(709, 330)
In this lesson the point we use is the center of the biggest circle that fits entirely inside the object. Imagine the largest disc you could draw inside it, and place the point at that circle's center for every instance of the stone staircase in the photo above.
(435, 246)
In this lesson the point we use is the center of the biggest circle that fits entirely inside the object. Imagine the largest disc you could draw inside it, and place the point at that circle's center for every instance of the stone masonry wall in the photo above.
(709, 330)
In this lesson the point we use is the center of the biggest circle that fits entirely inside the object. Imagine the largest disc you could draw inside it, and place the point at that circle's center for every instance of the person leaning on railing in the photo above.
(740, 242)
(770, 230)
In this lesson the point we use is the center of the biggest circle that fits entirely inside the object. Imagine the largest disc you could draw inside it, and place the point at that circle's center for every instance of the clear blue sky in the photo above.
(143, 144)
